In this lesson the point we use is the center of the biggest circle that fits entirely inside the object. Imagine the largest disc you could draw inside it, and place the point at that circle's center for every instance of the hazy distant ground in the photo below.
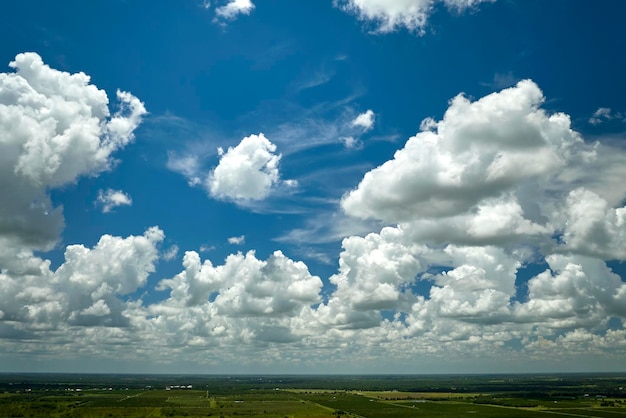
(59, 395)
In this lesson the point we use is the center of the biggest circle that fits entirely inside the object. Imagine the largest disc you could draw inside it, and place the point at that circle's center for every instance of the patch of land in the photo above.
(75, 396)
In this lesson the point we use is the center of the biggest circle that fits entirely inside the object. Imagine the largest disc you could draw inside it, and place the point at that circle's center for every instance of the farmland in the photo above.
(311, 396)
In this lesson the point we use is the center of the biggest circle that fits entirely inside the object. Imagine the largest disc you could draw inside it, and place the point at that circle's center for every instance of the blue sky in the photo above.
(258, 186)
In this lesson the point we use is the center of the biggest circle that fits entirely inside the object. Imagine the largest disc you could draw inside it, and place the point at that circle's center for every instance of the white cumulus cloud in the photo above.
(248, 171)
(237, 240)
(364, 120)
(85, 290)
(497, 185)
(243, 302)
(479, 150)
(54, 128)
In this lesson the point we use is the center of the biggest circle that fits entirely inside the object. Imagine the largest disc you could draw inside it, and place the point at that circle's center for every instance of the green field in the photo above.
(254, 396)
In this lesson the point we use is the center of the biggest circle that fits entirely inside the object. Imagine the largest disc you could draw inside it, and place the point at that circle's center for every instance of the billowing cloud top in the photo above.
(479, 150)
(84, 290)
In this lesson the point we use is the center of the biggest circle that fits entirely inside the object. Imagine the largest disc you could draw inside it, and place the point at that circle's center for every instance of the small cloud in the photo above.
(231, 10)
(364, 120)
(110, 199)
(290, 183)
(246, 172)
(353, 129)
(171, 253)
(352, 142)
(237, 240)
(604, 114)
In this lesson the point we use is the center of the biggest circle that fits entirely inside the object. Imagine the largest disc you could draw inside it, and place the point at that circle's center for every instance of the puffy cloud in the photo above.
(479, 150)
(245, 285)
(234, 8)
(593, 227)
(390, 15)
(492, 188)
(576, 291)
(61, 122)
(364, 120)
(501, 221)
(54, 128)
(123, 264)
(247, 171)
(355, 128)
(237, 240)
(374, 273)
(110, 199)
(478, 288)
(84, 290)
(245, 300)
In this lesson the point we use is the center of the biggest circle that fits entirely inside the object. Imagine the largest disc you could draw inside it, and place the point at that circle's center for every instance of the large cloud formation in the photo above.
(475, 202)
(479, 196)
(54, 128)
(501, 220)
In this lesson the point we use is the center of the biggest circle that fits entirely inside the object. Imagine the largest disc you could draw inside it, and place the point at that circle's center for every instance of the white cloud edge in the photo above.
(413, 15)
